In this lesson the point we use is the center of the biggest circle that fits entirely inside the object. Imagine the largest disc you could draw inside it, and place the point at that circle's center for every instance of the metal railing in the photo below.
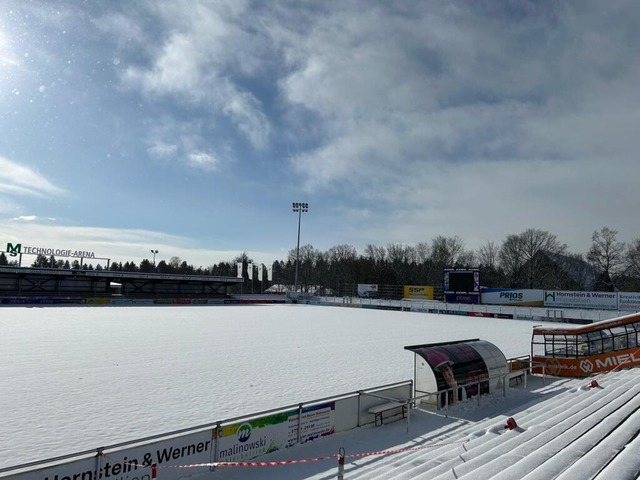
(504, 381)
(210, 425)
(522, 313)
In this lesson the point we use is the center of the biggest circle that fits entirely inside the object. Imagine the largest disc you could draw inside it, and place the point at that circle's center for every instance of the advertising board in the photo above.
(470, 298)
(573, 299)
(582, 367)
(259, 436)
(629, 301)
(135, 463)
(367, 290)
(512, 296)
(418, 292)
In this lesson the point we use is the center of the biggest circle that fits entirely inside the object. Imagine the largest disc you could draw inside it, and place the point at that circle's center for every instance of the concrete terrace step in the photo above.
(530, 451)
(414, 463)
(626, 465)
(572, 446)
(569, 423)
(605, 451)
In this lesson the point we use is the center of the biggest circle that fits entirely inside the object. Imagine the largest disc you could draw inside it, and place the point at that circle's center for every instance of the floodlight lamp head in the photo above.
(300, 207)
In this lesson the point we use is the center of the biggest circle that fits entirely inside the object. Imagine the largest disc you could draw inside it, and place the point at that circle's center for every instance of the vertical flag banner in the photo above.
(239, 269)
(250, 271)
(270, 273)
(260, 267)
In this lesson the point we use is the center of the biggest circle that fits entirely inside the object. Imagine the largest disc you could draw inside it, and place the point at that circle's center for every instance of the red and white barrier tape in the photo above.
(304, 460)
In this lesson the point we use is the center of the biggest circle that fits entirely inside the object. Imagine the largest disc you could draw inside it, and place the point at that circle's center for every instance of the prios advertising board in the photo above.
(512, 296)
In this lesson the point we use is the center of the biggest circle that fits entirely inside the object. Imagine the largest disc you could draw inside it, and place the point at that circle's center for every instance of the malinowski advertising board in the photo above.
(512, 296)
(572, 299)
(250, 439)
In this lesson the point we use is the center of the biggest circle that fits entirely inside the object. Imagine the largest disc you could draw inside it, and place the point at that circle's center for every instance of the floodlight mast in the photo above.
(298, 208)
(154, 259)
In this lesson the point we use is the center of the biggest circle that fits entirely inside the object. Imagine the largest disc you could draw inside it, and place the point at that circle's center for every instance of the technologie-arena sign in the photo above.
(18, 249)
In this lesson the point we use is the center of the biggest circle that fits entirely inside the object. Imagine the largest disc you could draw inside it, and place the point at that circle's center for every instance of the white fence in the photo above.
(230, 440)
(568, 315)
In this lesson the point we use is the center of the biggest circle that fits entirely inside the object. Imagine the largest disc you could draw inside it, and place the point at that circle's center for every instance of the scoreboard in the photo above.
(462, 285)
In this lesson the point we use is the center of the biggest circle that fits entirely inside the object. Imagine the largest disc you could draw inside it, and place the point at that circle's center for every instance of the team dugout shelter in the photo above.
(457, 370)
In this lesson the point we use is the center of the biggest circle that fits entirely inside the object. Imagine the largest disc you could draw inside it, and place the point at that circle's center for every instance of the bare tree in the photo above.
(607, 256)
(377, 254)
(511, 258)
(309, 258)
(632, 258)
(174, 263)
(447, 251)
(422, 252)
(535, 244)
(341, 253)
(487, 256)
(398, 253)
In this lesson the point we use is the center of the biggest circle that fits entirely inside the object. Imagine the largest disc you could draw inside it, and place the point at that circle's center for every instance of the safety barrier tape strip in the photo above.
(304, 460)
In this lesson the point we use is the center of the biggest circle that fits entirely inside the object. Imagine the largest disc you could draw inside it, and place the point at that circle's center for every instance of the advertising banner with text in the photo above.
(367, 290)
(250, 439)
(582, 367)
(418, 292)
(572, 299)
(512, 296)
(629, 301)
(135, 463)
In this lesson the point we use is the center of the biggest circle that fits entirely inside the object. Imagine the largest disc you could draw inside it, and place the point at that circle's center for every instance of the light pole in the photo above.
(154, 259)
(299, 208)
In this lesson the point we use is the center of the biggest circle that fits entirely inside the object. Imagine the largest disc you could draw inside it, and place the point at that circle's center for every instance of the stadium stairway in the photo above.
(580, 433)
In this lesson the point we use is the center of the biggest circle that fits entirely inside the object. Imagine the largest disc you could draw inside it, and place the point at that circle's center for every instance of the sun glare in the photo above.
(7, 59)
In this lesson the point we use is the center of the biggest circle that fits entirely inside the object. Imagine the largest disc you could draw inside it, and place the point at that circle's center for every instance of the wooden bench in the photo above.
(516, 377)
(378, 410)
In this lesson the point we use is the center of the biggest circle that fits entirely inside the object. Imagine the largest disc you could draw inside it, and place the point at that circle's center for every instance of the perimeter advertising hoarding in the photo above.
(512, 296)
(471, 298)
(629, 301)
(135, 463)
(367, 290)
(582, 367)
(418, 292)
(250, 439)
(573, 299)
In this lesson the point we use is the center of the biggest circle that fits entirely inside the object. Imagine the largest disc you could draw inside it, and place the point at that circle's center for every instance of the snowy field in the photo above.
(78, 378)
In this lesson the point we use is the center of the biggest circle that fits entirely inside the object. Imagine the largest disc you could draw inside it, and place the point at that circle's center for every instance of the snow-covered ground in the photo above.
(78, 378)
(565, 431)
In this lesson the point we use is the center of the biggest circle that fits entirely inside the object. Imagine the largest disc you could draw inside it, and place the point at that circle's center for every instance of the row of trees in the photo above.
(531, 259)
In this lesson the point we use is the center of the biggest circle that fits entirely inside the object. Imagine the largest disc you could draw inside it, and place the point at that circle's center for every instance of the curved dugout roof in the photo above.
(461, 366)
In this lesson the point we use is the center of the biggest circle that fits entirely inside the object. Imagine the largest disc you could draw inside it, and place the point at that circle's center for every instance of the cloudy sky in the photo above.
(190, 126)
